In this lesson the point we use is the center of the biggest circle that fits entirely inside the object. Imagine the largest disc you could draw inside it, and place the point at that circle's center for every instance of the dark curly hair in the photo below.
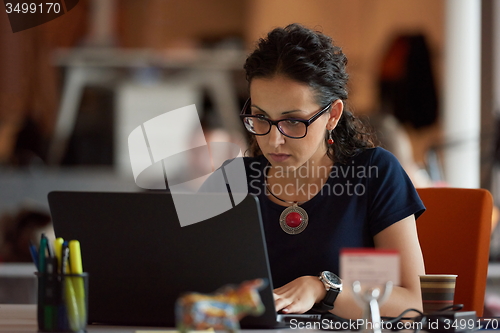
(310, 57)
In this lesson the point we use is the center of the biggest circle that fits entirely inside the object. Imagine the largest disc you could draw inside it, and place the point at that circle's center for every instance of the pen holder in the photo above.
(62, 302)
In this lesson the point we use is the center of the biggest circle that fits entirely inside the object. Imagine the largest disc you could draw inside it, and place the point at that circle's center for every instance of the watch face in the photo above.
(332, 278)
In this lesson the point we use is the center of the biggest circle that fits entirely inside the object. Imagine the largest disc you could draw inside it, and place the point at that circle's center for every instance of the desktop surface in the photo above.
(21, 318)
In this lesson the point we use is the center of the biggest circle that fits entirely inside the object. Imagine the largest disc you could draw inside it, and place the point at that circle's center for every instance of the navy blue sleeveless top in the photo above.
(360, 198)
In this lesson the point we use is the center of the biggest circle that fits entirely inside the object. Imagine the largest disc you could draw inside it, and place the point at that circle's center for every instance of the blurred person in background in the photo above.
(407, 121)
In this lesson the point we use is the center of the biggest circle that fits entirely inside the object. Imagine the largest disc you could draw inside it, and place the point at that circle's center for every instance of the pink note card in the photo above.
(372, 267)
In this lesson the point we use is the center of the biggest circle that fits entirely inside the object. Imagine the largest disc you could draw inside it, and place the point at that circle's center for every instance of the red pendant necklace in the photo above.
(294, 219)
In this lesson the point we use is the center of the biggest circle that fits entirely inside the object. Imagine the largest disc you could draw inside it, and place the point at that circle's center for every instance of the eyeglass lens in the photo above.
(288, 127)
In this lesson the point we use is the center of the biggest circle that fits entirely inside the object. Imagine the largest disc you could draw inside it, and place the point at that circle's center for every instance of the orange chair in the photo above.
(454, 234)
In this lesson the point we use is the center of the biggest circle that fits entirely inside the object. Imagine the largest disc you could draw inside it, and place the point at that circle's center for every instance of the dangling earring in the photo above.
(330, 139)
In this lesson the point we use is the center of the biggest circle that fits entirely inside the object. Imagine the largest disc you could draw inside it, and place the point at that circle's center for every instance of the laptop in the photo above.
(140, 260)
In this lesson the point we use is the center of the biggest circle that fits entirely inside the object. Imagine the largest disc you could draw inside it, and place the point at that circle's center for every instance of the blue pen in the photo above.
(34, 254)
(64, 258)
(63, 310)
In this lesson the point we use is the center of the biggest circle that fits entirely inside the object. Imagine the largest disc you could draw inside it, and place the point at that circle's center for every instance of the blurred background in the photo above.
(424, 73)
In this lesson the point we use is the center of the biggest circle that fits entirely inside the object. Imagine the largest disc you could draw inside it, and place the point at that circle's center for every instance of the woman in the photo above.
(321, 183)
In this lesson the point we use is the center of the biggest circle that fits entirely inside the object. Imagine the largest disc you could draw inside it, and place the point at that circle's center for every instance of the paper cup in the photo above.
(438, 291)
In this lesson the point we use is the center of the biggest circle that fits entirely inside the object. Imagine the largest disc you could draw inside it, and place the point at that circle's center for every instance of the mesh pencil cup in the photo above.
(62, 302)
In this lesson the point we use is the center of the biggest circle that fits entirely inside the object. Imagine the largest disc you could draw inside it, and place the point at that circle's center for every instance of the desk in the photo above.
(17, 283)
(22, 318)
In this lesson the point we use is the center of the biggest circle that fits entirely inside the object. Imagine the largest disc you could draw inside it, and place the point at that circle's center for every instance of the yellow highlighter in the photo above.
(58, 244)
(69, 292)
(75, 266)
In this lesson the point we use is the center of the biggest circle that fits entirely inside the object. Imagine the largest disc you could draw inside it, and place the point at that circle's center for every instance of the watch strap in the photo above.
(328, 302)
(331, 296)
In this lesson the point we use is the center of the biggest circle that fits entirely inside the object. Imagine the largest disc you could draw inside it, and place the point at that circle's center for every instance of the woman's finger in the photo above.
(281, 303)
(294, 307)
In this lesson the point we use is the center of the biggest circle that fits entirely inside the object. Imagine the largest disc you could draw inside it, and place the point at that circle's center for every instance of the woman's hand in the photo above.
(299, 295)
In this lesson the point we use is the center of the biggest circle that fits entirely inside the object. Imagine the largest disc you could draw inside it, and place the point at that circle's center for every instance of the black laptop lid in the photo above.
(140, 259)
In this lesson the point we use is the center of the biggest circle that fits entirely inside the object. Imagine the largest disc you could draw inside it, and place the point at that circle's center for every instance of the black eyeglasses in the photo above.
(290, 127)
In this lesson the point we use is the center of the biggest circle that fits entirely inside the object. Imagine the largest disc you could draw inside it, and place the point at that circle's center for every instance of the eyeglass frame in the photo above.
(307, 122)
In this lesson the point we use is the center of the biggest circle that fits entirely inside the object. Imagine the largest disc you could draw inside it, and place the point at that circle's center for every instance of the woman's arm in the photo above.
(299, 295)
(401, 236)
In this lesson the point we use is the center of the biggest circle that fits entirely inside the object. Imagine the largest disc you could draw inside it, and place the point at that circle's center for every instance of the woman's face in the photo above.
(280, 98)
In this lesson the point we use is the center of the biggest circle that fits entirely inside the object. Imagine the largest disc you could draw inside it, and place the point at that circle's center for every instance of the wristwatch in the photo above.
(333, 286)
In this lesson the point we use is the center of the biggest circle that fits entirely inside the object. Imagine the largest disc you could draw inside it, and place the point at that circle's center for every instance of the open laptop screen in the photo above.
(140, 260)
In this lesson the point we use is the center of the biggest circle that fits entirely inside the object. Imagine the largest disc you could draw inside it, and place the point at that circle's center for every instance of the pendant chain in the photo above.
(285, 201)
(290, 202)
